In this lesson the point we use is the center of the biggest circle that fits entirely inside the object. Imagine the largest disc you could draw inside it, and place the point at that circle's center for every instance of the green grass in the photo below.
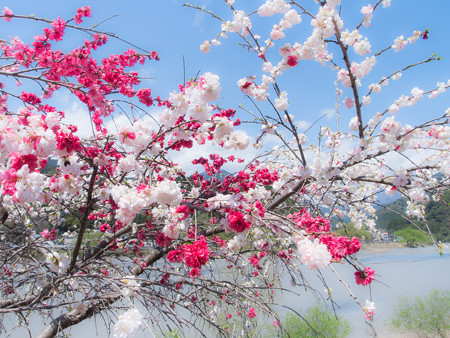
(317, 321)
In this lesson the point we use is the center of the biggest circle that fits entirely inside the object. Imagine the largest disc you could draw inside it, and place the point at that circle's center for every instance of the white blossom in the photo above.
(128, 323)
(313, 254)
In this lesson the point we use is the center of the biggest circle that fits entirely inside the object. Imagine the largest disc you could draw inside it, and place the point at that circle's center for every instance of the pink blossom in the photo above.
(7, 14)
(49, 235)
(281, 103)
(205, 47)
(8, 180)
(127, 323)
(57, 32)
(368, 310)
(349, 102)
(354, 123)
(277, 33)
(82, 12)
(399, 43)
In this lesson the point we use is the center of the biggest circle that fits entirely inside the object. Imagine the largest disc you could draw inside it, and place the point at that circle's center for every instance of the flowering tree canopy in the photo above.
(207, 246)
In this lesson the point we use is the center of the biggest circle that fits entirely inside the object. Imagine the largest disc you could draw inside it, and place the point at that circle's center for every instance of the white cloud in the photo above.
(115, 123)
(328, 112)
(184, 157)
(200, 15)
(271, 139)
(303, 125)
(408, 159)
(78, 115)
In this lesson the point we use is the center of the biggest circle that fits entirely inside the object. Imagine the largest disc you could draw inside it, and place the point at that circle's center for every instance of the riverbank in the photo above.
(381, 247)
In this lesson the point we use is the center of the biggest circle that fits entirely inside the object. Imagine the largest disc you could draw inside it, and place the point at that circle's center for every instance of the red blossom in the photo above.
(251, 313)
(182, 212)
(339, 246)
(237, 222)
(219, 241)
(311, 224)
(195, 273)
(68, 142)
(175, 256)
(164, 278)
(104, 227)
(154, 55)
(18, 161)
(57, 32)
(162, 240)
(196, 254)
(292, 61)
(365, 276)
(7, 14)
(144, 96)
(30, 98)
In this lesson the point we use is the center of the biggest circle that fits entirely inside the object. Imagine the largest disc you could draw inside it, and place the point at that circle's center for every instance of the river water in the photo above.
(399, 272)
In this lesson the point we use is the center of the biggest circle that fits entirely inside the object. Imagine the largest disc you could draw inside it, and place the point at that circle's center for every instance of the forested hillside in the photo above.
(437, 215)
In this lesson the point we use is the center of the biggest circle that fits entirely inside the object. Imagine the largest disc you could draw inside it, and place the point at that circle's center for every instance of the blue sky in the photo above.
(176, 32)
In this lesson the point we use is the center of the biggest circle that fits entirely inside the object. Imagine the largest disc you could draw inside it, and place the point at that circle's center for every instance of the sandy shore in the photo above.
(382, 246)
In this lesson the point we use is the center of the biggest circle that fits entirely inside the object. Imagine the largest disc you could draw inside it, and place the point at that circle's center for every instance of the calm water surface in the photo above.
(399, 272)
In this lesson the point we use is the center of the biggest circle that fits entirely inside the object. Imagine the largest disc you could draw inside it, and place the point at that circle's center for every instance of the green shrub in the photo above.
(429, 315)
(317, 321)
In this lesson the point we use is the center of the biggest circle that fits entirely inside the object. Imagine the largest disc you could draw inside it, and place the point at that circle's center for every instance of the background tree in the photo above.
(412, 237)
(428, 315)
(350, 231)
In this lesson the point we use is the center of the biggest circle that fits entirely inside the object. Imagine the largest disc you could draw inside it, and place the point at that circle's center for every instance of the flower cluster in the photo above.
(365, 276)
(313, 254)
(194, 255)
(128, 322)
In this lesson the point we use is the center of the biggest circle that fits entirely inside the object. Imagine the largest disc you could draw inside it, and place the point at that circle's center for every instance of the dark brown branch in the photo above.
(87, 211)
(352, 79)
(284, 197)
(73, 317)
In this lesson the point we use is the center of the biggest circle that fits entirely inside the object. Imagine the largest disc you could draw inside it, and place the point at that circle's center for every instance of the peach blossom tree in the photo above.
(180, 249)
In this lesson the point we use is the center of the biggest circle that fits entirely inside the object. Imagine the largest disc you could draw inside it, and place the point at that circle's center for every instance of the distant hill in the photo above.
(219, 176)
(385, 199)
(50, 168)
